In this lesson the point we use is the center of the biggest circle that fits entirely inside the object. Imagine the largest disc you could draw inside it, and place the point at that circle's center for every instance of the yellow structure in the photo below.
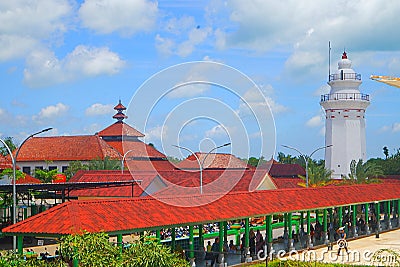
(393, 81)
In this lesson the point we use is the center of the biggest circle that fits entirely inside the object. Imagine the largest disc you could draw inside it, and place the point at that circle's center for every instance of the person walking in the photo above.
(215, 251)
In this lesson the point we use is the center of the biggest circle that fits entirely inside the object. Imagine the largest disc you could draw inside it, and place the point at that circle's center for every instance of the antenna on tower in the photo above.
(329, 61)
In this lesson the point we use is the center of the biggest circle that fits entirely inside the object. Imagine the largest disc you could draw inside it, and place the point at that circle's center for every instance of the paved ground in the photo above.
(361, 251)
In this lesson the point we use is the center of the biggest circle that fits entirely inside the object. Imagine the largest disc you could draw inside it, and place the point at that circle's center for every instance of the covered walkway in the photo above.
(361, 208)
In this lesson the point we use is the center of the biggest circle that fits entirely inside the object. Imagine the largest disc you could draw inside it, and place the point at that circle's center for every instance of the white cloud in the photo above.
(23, 23)
(217, 131)
(125, 17)
(253, 101)
(99, 109)
(156, 133)
(50, 113)
(315, 121)
(396, 127)
(181, 36)
(302, 30)
(43, 68)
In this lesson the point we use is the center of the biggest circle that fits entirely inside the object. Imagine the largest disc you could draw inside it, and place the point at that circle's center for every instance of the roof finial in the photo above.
(344, 56)
(120, 116)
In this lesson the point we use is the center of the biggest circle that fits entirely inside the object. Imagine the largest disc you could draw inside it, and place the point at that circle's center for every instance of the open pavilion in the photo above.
(119, 217)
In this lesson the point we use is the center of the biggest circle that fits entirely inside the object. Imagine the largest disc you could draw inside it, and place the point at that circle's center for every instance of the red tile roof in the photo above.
(138, 149)
(28, 180)
(131, 215)
(145, 179)
(286, 170)
(66, 148)
(213, 161)
(120, 128)
(5, 163)
(287, 182)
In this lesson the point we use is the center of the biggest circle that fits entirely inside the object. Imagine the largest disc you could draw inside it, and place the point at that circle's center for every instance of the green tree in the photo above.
(104, 164)
(151, 253)
(367, 172)
(10, 143)
(75, 166)
(318, 175)
(253, 161)
(10, 173)
(386, 152)
(45, 176)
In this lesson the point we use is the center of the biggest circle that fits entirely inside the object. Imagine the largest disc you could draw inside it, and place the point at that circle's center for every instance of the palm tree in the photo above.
(318, 175)
(367, 172)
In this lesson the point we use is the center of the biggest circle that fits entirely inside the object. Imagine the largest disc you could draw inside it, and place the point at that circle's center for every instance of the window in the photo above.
(64, 168)
(38, 167)
(52, 168)
(26, 170)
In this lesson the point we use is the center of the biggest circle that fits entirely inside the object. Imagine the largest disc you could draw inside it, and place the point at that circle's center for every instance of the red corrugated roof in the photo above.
(66, 148)
(213, 161)
(144, 213)
(287, 182)
(120, 129)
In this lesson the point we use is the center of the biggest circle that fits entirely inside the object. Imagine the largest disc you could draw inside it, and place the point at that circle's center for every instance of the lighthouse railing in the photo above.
(345, 76)
(344, 96)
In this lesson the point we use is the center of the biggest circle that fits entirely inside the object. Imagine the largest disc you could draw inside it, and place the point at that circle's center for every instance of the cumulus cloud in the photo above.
(217, 131)
(181, 36)
(315, 121)
(252, 101)
(51, 113)
(99, 109)
(43, 68)
(124, 17)
(23, 23)
(394, 128)
(302, 29)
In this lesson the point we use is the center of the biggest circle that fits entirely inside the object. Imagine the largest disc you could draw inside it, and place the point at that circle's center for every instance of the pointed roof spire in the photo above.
(120, 116)
(344, 56)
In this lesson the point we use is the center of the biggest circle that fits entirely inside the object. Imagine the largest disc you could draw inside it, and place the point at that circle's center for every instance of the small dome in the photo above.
(344, 63)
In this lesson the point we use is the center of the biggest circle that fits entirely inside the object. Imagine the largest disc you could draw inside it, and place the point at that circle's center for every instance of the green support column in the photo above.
(388, 211)
(225, 232)
(20, 244)
(378, 218)
(25, 213)
(269, 232)
(309, 241)
(325, 233)
(246, 238)
(367, 218)
(33, 209)
(201, 238)
(191, 245)
(340, 216)
(285, 222)
(316, 215)
(290, 235)
(75, 261)
(119, 242)
(173, 237)
(354, 220)
(221, 243)
(158, 235)
(398, 213)
(331, 215)
(302, 222)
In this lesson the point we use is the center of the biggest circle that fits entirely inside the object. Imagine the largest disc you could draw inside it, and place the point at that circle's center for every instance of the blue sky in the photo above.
(65, 64)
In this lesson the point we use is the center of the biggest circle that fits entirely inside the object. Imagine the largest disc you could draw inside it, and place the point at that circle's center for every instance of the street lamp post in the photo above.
(14, 189)
(201, 163)
(122, 160)
(305, 157)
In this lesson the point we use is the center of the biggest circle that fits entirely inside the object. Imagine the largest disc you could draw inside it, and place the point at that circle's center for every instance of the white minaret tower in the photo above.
(345, 119)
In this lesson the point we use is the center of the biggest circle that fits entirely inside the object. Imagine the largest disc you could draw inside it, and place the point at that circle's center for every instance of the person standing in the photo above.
(342, 243)
(215, 251)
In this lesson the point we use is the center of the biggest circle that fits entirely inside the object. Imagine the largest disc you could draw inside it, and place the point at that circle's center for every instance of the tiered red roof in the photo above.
(120, 129)
(66, 148)
(132, 215)
(213, 161)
